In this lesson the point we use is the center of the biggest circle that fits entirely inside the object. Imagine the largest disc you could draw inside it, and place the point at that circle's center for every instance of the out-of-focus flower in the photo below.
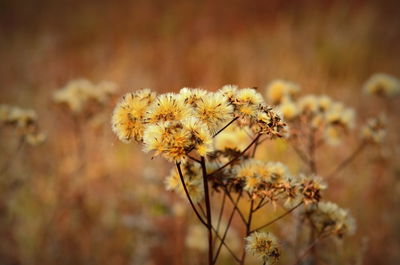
(264, 246)
(382, 85)
(77, 94)
(330, 219)
(279, 90)
(374, 131)
(25, 121)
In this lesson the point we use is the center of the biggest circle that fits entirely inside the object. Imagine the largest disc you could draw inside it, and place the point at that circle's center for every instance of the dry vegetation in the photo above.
(72, 193)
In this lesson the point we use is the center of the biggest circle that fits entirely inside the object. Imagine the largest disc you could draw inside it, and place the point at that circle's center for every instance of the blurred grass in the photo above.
(50, 215)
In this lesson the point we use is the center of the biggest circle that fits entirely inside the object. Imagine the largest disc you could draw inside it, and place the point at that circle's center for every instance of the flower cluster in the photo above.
(329, 219)
(78, 94)
(382, 85)
(264, 246)
(25, 121)
(174, 124)
(271, 180)
(321, 112)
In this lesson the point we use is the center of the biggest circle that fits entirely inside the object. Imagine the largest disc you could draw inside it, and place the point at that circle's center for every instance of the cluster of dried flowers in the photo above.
(78, 95)
(212, 138)
(25, 123)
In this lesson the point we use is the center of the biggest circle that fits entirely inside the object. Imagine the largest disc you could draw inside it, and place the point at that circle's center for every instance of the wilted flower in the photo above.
(310, 188)
(264, 246)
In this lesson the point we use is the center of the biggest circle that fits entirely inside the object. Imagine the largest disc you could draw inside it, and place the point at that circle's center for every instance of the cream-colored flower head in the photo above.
(230, 92)
(308, 104)
(175, 139)
(277, 170)
(374, 131)
(201, 137)
(264, 246)
(169, 139)
(382, 85)
(192, 96)
(21, 117)
(168, 107)
(330, 219)
(252, 172)
(247, 103)
(128, 119)
(214, 110)
(279, 89)
(75, 94)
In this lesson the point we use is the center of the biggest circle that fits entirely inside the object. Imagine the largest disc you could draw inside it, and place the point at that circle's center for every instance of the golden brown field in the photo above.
(83, 197)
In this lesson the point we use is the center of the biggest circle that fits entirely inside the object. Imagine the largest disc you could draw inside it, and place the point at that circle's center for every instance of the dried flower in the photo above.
(264, 246)
(279, 90)
(330, 219)
(375, 130)
(382, 85)
(128, 119)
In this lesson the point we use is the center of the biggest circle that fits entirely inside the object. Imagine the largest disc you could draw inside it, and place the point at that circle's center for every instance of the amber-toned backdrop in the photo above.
(52, 214)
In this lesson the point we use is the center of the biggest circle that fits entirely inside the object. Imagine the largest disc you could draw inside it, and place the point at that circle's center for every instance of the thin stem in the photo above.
(277, 218)
(178, 165)
(221, 211)
(248, 228)
(255, 148)
(226, 126)
(235, 206)
(226, 229)
(237, 157)
(226, 246)
(347, 161)
(208, 211)
(311, 152)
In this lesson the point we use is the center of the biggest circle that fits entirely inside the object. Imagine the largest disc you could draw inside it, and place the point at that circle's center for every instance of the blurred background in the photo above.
(83, 197)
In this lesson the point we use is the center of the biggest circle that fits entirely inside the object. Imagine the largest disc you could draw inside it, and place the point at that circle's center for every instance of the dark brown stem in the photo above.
(221, 211)
(226, 126)
(226, 230)
(178, 165)
(277, 218)
(208, 211)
